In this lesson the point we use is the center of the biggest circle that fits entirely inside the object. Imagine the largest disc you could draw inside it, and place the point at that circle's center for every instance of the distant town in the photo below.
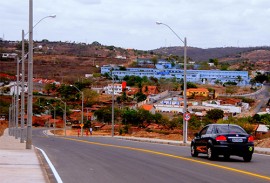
(137, 80)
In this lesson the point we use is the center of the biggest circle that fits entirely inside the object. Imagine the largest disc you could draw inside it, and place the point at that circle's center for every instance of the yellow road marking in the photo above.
(173, 156)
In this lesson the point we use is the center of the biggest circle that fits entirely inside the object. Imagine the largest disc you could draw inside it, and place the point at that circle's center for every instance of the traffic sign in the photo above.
(187, 116)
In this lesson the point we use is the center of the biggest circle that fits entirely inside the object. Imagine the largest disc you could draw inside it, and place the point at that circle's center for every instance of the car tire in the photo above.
(211, 153)
(193, 151)
(247, 158)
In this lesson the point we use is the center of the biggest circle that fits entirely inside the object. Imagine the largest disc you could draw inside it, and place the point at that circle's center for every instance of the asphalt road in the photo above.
(110, 160)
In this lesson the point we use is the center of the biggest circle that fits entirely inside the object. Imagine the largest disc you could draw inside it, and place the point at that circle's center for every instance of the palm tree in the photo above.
(154, 60)
(239, 79)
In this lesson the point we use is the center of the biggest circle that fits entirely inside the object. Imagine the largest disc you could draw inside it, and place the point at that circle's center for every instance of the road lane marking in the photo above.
(55, 173)
(173, 156)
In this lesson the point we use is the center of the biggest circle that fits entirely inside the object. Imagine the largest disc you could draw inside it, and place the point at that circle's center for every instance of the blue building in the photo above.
(196, 76)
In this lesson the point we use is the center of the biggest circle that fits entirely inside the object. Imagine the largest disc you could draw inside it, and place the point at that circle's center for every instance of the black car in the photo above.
(223, 139)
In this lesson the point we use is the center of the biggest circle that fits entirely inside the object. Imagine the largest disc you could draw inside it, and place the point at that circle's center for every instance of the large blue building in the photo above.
(196, 76)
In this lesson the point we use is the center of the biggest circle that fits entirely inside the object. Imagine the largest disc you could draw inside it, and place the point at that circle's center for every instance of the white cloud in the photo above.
(131, 23)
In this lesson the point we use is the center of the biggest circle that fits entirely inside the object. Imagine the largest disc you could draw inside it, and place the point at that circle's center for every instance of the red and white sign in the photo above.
(187, 116)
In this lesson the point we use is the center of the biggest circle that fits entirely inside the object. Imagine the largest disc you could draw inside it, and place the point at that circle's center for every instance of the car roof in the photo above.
(224, 124)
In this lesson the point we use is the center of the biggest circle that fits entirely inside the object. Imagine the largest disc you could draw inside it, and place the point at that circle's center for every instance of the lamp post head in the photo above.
(158, 23)
(52, 16)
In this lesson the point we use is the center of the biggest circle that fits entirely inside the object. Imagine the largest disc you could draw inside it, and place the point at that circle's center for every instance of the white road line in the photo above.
(56, 175)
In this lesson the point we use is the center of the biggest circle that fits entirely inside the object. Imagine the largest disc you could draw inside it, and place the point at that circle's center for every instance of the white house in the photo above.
(13, 89)
(118, 89)
(226, 108)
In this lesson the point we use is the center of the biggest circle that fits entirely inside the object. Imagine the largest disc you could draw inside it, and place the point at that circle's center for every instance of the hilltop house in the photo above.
(150, 90)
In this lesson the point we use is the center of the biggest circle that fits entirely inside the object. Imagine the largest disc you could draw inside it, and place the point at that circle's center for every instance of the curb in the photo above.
(262, 152)
(158, 141)
(177, 143)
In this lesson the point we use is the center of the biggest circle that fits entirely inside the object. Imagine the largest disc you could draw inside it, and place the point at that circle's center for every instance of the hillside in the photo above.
(199, 54)
(66, 62)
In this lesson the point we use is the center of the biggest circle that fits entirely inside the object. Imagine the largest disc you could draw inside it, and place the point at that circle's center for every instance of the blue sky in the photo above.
(131, 23)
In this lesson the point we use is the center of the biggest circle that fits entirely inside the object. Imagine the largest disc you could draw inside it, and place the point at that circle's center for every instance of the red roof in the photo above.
(147, 107)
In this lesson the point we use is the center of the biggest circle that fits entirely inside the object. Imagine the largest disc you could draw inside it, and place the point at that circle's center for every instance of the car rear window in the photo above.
(229, 129)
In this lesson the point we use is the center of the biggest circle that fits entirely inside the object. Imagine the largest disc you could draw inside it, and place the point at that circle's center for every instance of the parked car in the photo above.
(223, 139)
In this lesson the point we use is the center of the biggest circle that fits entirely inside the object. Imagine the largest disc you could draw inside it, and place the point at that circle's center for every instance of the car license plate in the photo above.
(237, 140)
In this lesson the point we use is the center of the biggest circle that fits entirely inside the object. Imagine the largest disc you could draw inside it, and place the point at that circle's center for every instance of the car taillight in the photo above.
(221, 138)
(250, 139)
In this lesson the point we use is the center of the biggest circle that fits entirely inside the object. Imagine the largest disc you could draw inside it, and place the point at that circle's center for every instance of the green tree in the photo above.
(230, 89)
(239, 79)
(204, 66)
(48, 88)
(189, 85)
(224, 66)
(90, 97)
(218, 82)
(140, 96)
(104, 114)
(252, 82)
(157, 117)
(214, 61)
(260, 78)
(243, 122)
(215, 114)
(145, 116)
(4, 107)
(130, 116)
(194, 123)
(154, 60)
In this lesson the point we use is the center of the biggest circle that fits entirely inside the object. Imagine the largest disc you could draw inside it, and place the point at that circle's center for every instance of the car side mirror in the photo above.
(196, 134)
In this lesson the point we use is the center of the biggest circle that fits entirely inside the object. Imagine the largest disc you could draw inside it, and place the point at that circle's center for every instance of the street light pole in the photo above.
(54, 125)
(82, 108)
(9, 120)
(185, 122)
(17, 99)
(185, 125)
(12, 115)
(112, 104)
(65, 115)
(22, 92)
(30, 77)
(30, 80)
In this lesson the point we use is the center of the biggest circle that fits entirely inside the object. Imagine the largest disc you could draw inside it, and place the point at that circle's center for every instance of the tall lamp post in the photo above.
(112, 103)
(22, 91)
(82, 107)
(22, 94)
(30, 79)
(54, 125)
(65, 115)
(48, 123)
(185, 125)
(17, 100)
(9, 119)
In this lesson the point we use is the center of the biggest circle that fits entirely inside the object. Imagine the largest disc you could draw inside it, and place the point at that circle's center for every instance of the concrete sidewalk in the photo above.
(17, 164)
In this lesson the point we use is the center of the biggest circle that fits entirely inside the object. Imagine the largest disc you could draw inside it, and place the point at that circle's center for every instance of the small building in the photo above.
(150, 90)
(261, 130)
(149, 108)
(231, 101)
(116, 88)
(197, 92)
